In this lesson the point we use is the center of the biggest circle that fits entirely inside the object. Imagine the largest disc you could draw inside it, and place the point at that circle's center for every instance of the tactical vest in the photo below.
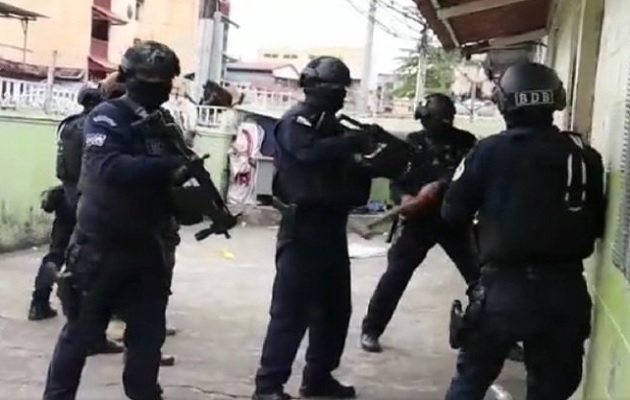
(545, 212)
(328, 184)
(125, 211)
(70, 149)
(435, 157)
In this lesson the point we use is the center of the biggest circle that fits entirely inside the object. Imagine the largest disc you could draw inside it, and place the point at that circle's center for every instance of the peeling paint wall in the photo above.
(608, 354)
(27, 150)
(27, 167)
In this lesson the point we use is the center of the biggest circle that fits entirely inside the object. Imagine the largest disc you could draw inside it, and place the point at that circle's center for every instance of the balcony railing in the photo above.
(61, 100)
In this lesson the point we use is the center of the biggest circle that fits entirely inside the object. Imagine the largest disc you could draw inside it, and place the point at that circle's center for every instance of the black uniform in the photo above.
(538, 193)
(440, 148)
(64, 202)
(115, 258)
(319, 183)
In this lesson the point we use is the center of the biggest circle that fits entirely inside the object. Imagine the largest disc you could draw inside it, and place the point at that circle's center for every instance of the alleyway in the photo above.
(221, 296)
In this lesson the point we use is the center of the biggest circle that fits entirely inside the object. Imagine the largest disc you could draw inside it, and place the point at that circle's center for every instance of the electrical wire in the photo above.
(391, 5)
(379, 23)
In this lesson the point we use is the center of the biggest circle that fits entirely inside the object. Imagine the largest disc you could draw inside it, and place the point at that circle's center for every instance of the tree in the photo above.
(439, 77)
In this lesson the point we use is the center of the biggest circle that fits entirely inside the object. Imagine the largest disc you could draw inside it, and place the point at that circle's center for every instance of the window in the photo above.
(621, 247)
(100, 30)
(289, 56)
(270, 55)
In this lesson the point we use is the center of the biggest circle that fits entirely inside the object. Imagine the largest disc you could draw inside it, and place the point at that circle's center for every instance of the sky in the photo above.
(318, 23)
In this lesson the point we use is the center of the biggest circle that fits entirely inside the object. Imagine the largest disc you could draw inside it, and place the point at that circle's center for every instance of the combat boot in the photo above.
(329, 388)
(271, 396)
(167, 360)
(370, 343)
(106, 347)
(41, 311)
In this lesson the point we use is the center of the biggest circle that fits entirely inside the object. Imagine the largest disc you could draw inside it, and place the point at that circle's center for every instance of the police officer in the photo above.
(539, 196)
(113, 87)
(115, 258)
(440, 148)
(317, 183)
(62, 201)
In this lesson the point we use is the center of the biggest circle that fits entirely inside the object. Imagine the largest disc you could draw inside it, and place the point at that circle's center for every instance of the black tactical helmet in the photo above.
(325, 71)
(529, 85)
(89, 96)
(437, 107)
(150, 61)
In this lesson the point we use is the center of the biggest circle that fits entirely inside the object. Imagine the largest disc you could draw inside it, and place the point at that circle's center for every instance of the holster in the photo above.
(463, 324)
(456, 325)
(78, 276)
(69, 296)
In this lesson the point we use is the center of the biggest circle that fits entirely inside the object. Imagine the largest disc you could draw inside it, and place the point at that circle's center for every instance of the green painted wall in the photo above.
(608, 362)
(27, 167)
(27, 151)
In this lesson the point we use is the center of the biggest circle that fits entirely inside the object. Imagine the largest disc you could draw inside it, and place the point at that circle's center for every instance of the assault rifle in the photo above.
(192, 203)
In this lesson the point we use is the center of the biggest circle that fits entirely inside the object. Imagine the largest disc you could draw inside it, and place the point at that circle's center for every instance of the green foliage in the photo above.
(439, 76)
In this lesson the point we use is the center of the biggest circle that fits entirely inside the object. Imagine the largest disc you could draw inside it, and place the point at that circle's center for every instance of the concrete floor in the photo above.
(220, 303)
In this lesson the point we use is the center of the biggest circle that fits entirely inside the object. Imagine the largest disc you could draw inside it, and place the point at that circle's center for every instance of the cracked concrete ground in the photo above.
(220, 305)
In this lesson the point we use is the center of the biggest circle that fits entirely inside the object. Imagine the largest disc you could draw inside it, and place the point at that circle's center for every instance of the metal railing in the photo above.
(61, 100)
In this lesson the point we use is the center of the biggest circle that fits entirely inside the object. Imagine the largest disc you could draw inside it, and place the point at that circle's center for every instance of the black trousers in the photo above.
(311, 291)
(549, 312)
(130, 278)
(63, 225)
(410, 247)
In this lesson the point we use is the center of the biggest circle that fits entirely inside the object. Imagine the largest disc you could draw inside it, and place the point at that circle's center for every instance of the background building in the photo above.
(263, 76)
(91, 35)
(352, 56)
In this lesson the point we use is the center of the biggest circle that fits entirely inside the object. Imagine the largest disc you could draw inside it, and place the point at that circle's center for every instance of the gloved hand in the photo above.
(427, 198)
(184, 167)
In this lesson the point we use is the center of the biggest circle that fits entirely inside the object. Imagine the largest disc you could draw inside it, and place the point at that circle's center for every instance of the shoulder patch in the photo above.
(104, 118)
(95, 139)
(459, 171)
(303, 121)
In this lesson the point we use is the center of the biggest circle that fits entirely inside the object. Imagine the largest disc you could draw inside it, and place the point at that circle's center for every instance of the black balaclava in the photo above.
(324, 98)
(150, 95)
(529, 118)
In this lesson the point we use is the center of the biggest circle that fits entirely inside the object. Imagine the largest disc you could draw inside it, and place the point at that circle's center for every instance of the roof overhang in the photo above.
(100, 64)
(478, 25)
(103, 14)
(11, 11)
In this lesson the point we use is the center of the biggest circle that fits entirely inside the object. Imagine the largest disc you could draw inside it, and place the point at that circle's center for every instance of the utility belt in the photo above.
(546, 271)
(112, 239)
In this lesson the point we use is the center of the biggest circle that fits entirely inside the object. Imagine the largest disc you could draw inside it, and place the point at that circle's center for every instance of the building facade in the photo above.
(277, 77)
(91, 35)
(353, 57)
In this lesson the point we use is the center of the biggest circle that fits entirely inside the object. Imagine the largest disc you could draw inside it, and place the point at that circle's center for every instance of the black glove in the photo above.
(183, 169)
(52, 198)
